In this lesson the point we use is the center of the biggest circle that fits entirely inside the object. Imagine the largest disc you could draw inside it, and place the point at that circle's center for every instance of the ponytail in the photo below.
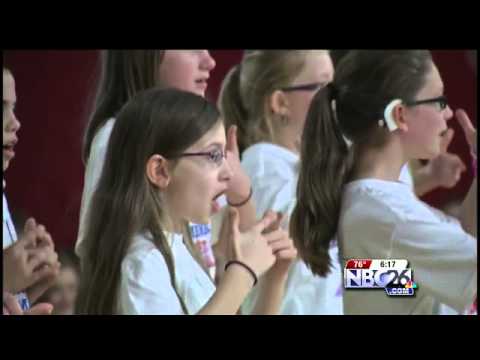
(323, 172)
(232, 107)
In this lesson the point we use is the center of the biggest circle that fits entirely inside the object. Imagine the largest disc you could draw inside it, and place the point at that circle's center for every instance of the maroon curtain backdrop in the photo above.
(54, 91)
(45, 179)
(460, 79)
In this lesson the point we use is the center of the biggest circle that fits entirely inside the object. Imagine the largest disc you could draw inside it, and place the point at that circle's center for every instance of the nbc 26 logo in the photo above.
(393, 275)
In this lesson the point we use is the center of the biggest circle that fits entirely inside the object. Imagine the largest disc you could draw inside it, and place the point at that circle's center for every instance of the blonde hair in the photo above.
(246, 90)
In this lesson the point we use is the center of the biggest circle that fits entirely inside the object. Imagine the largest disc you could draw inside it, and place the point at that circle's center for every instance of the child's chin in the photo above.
(200, 219)
(432, 154)
(429, 154)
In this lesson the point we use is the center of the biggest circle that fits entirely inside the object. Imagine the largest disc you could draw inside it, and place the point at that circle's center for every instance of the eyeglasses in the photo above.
(304, 87)
(441, 101)
(214, 156)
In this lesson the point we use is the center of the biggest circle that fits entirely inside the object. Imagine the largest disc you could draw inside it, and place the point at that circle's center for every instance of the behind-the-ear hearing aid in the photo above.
(388, 115)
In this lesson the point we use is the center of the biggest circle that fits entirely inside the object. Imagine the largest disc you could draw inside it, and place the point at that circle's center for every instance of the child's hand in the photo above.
(239, 185)
(468, 129)
(12, 307)
(446, 169)
(283, 248)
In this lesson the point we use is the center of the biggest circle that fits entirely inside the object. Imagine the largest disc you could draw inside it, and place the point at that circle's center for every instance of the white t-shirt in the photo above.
(145, 286)
(9, 233)
(201, 234)
(273, 171)
(385, 220)
(406, 176)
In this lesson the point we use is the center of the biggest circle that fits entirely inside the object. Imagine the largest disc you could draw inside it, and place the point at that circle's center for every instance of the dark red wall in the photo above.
(460, 79)
(54, 89)
(45, 179)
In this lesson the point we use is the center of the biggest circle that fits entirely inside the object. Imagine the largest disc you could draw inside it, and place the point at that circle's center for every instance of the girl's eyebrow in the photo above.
(214, 144)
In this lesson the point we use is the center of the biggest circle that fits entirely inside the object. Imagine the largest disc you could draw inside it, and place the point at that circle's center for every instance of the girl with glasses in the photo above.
(164, 168)
(389, 105)
(125, 73)
(267, 97)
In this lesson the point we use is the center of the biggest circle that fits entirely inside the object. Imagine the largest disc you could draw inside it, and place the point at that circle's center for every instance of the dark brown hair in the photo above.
(124, 73)
(126, 203)
(365, 82)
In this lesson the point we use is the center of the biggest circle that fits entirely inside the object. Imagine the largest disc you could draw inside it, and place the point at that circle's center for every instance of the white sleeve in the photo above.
(446, 218)
(274, 184)
(443, 259)
(273, 193)
(406, 176)
(145, 287)
(92, 175)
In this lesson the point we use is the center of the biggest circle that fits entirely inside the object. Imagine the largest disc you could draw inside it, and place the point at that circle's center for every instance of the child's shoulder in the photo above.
(142, 254)
(389, 199)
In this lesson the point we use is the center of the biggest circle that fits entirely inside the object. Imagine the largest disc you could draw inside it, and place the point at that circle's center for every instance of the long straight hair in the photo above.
(124, 73)
(365, 82)
(126, 203)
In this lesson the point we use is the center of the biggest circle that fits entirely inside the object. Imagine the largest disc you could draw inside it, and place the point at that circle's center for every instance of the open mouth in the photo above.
(8, 148)
(215, 203)
(10, 144)
(217, 196)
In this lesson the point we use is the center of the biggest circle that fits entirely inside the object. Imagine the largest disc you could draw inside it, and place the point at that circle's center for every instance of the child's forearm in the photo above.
(468, 215)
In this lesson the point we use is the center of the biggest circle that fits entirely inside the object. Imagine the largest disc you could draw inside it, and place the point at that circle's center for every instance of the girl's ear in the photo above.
(399, 114)
(157, 171)
(278, 103)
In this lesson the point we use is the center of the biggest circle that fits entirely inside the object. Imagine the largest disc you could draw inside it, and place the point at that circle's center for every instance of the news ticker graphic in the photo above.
(393, 275)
